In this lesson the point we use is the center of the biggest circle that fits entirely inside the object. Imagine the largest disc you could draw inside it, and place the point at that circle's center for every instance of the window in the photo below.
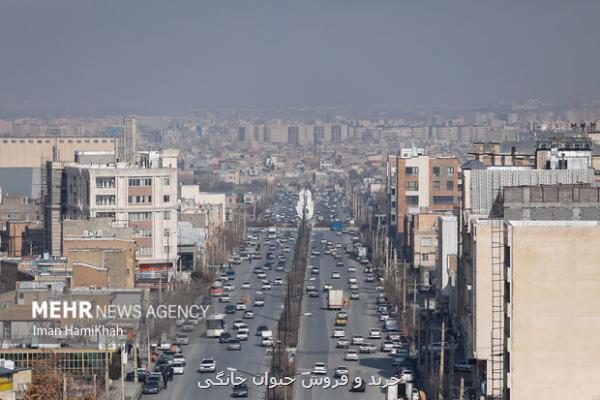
(450, 185)
(145, 251)
(140, 216)
(412, 200)
(105, 200)
(443, 200)
(436, 185)
(105, 182)
(145, 233)
(140, 181)
(412, 185)
(166, 181)
(167, 232)
(166, 249)
(426, 241)
(450, 171)
(166, 198)
(167, 215)
(110, 215)
(411, 171)
(424, 257)
(436, 171)
(140, 199)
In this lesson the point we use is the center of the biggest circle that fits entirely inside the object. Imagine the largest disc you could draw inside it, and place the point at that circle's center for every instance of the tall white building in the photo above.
(142, 196)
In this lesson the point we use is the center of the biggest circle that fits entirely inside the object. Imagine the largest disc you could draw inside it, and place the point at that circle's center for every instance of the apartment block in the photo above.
(142, 196)
(422, 183)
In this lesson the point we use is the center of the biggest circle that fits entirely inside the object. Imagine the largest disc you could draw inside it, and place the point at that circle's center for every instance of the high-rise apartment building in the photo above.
(128, 141)
(142, 196)
(417, 183)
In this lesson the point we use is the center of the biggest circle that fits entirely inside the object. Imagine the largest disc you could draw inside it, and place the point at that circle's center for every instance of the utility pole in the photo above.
(461, 390)
(441, 375)
(95, 390)
(106, 361)
(404, 289)
(65, 397)
(123, 357)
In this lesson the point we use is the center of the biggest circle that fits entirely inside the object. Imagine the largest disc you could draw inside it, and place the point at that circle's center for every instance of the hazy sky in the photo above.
(88, 55)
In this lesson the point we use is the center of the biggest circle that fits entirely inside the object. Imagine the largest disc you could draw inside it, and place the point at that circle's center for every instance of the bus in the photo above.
(215, 325)
(216, 289)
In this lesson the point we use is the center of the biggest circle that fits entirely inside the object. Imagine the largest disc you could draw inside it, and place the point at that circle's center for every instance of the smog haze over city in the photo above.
(299, 200)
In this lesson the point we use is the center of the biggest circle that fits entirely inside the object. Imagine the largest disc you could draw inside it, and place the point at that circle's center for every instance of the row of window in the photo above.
(414, 185)
(147, 251)
(105, 200)
(440, 200)
(60, 141)
(414, 171)
(146, 199)
(147, 216)
(146, 182)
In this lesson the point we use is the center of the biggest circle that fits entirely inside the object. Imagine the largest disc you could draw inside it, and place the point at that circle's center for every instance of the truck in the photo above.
(337, 226)
(349, 248)
(362, 252)
(335, 299)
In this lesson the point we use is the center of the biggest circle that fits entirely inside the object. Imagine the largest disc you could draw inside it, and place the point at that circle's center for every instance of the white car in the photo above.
(278, 281)
(207, 365)
(248, 315)
(179, 358)
(341, 314)
(224, 298)
(242, 334)
(178, 368)
(357, 339)
(384, 316)
(387, 346)
(182, 339)
(229, 287)
(341, 371)
(266, 342)
(266, 286)
(375, 333)
(338, 333)
(351, 355)
(246, 285)
(319, 369)
(262, 275)
(354, 296)
(342, 343)
(352, 279)
(353, 286)
(238, 323)
(351, 269)
(240, 306)
(335, 275)
(406, 375)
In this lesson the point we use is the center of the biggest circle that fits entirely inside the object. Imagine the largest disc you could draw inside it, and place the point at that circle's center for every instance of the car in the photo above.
(339, 264)
(260, 329)
(240, 390)
(230, 309)
(178, 368)
(266, 286)
(354, 296)
(207, 365)
(141, 375)
(358, 339)
(187, 327)
(248, 314)
(310, 287)
(352, 279)
(182, 339)
(327, 286)
(406, 375)
(313, 293)
(224, 298)
(338, 333)
(367, 348)
(242, 334)
(319, 369)
(384, 316)
(280, 268)
(353, 286)
(234, 344)
(224, 337)
(341, 371)
(246, 285)
(262, 275)
(179, 358)
(342, 343)
(278, 281)
(240, 306)
(351, 355)
(238, 323)
(266, 342)
(229, 287)
(370, 278)
(153, 387)
(335, 275)
(375, 333)
(387, 346)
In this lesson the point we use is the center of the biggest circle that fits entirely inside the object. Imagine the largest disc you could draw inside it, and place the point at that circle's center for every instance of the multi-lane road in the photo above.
(252, 359)
(315, 341)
